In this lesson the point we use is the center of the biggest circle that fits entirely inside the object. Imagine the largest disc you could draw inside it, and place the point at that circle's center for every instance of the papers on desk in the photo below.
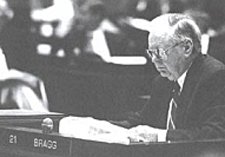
(92, 129)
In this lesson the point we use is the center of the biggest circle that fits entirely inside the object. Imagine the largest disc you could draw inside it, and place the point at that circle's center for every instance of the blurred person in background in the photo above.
(94, 36)
(16, 37)
(83, 29)
(18, 90)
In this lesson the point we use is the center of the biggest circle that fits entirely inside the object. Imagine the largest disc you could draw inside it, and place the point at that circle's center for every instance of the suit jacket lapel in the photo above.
(190, 85)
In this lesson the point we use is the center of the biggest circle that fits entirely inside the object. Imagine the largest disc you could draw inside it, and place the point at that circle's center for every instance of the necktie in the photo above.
(89, 47)
(173, 106)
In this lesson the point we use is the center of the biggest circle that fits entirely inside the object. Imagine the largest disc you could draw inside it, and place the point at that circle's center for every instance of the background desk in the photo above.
(93, 89)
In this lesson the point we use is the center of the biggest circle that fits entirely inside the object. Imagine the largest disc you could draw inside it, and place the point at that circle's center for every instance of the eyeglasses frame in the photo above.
(160, 53)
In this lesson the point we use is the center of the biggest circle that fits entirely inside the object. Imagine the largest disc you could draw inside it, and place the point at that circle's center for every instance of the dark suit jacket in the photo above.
(201, 105)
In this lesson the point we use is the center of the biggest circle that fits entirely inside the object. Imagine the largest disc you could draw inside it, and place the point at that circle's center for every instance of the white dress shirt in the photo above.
(162, 133)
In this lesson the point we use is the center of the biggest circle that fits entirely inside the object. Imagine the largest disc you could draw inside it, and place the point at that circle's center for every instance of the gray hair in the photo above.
(181, 28)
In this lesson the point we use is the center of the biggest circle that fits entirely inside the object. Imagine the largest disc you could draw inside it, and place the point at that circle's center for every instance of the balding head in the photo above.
(174, 42)
(178, 27)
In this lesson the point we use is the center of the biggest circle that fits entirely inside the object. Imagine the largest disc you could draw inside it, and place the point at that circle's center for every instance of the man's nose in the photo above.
(155, 59)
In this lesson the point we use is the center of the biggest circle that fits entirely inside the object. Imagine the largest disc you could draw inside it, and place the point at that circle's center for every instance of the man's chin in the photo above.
(168, 76)
(164, 74)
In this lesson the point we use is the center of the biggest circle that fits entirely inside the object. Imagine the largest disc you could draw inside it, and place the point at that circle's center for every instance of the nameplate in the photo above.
(35, 141)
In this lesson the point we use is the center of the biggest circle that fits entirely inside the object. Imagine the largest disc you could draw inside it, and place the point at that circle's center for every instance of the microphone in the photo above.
(47, 125)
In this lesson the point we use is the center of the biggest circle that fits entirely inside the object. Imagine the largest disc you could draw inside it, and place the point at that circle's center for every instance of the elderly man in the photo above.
(187, 100)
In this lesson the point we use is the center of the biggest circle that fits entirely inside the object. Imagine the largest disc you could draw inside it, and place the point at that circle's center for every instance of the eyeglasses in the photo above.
(159, 53)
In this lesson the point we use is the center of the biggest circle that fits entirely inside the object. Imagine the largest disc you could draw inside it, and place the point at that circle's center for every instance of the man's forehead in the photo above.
(160, 32)
(155, 39)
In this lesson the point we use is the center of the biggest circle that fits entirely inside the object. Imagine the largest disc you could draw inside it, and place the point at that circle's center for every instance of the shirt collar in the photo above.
(181, 80)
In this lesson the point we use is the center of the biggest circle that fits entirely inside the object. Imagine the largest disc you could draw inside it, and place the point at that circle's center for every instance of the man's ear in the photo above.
(188, 47)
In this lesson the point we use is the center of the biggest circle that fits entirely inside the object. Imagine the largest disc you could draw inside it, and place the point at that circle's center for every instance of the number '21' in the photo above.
(13, 139)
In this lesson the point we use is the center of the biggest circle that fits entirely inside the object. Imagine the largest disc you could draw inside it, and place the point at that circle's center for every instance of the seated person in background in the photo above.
(20, 90)
(187, 100)
(94, 36)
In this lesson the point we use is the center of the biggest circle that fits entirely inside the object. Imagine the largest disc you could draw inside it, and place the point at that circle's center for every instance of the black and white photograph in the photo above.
(112, 78)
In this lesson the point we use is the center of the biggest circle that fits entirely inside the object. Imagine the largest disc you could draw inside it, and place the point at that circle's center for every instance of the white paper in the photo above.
(88, 128)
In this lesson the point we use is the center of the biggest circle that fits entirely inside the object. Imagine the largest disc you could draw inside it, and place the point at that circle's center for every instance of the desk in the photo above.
(26, 142)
